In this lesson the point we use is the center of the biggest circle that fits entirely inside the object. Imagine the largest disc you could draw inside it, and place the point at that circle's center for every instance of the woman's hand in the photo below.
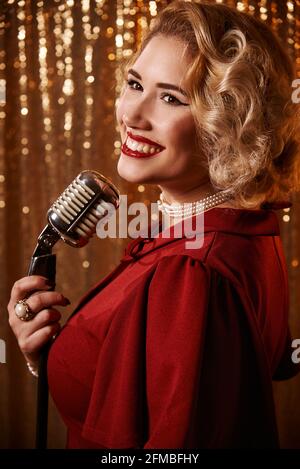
(32, 335)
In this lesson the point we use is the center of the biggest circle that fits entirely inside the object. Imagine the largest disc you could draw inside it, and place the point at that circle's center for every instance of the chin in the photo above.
(131, 172)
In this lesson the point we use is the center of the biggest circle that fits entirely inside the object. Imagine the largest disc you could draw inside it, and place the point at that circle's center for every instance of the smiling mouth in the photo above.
(137, 149)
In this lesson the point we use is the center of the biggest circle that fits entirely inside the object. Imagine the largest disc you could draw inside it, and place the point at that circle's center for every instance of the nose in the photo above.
(135, 121)
(135, 117)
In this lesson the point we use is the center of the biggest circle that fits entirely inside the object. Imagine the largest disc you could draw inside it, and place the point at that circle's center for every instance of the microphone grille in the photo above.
(76, 212)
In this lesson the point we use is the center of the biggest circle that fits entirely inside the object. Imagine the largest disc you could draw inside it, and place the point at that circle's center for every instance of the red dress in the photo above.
(177, 347)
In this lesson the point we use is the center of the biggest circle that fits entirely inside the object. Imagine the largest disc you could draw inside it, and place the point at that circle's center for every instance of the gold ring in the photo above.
(23, 311)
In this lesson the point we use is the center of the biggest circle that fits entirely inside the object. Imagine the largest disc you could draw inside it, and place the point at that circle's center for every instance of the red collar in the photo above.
(235, 221)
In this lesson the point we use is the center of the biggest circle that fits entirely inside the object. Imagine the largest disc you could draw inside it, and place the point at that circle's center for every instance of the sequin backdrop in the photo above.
(60, 73)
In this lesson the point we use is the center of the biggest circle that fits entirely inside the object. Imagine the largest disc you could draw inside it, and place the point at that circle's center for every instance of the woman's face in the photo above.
(152, 109)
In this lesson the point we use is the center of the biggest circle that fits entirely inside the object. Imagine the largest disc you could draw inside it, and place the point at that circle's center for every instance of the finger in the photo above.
(36, 303)
(46, 300)
(23, 286)
(33, 343)
(42, 319)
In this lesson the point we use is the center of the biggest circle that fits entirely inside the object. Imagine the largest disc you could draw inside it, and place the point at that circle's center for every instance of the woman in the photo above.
(177, 347)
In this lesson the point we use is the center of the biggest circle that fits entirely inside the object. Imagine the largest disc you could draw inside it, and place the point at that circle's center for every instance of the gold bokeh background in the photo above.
(60, 73)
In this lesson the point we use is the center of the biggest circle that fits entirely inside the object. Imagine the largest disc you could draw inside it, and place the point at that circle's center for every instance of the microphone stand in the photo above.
(82, 194)
(43, 262)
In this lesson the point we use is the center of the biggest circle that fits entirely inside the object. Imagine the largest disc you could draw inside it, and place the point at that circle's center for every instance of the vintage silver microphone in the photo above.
(73, 217)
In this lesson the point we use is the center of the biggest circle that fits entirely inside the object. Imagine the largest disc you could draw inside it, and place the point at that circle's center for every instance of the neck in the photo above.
(192, 194)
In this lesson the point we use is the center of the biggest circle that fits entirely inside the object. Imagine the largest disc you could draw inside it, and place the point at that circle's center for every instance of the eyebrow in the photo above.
(167, 86)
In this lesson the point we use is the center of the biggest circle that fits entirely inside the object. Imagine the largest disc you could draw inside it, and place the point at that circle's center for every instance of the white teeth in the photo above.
(133, 145)
(141, 147)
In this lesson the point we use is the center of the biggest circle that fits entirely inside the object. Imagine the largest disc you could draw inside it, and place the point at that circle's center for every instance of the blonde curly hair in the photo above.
(240, 88)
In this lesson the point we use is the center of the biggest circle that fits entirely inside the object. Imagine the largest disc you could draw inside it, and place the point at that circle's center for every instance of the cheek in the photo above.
(181, 132)
(119, 112)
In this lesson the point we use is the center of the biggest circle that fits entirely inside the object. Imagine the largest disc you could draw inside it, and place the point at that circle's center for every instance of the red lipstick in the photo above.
(139, 138)
(137, 154)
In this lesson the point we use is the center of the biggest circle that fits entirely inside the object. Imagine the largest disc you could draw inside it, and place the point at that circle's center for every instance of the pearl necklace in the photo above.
(192, 208)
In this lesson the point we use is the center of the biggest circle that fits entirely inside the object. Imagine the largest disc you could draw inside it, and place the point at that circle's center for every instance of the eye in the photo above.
(172, 100)
(135, 85)
(131, 83)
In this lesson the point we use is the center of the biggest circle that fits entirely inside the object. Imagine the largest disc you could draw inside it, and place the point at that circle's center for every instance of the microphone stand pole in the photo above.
(43, 262)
